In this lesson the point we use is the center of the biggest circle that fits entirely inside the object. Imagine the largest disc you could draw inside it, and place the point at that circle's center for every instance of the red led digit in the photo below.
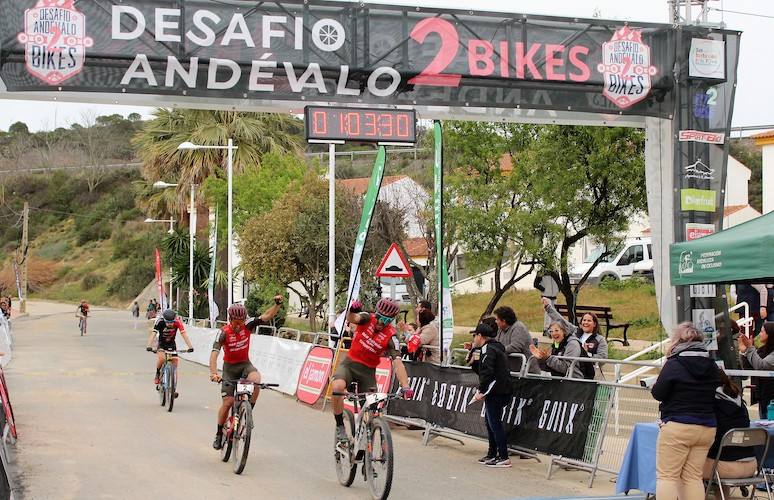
(370, 124)
(385, 125)
(320, 122)
(353, 123)
(403, 125)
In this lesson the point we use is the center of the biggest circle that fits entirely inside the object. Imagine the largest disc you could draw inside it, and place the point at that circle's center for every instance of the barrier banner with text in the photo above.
(314, 374)
(550, 416)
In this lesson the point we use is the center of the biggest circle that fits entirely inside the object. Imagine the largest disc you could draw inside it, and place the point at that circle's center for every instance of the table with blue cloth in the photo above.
(638, 469)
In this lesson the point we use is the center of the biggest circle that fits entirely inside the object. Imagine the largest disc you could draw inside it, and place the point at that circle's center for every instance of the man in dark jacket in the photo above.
(495, 389)
(513, 334)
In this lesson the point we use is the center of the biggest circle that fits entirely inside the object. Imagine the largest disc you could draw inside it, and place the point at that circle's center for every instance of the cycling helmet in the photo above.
(237, 311)
(169, 315)
(387, 307)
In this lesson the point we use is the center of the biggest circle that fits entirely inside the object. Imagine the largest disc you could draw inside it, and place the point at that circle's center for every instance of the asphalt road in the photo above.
(90, 427)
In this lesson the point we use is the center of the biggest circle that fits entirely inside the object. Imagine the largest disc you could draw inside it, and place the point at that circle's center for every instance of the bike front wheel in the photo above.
(82, 326)
(171, 385)
(162, 387)
(379, 459)
(242, 436)
(345, 462)
(226, 442)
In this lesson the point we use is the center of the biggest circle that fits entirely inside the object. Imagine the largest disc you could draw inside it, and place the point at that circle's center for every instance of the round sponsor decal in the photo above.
(314, 375)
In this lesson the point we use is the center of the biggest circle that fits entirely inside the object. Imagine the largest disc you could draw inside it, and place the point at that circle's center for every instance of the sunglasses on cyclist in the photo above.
(385, 320)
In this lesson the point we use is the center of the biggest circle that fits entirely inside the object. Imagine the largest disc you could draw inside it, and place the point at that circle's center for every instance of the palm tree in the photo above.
(254, 133)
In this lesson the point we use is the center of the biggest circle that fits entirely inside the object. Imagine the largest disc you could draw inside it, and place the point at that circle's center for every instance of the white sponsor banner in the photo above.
(707, 59)
(278, 360)
(703, 291)
(5, 341)
(699, 136)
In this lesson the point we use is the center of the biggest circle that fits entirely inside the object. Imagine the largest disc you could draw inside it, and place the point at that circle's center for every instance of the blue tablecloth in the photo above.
(638, 469)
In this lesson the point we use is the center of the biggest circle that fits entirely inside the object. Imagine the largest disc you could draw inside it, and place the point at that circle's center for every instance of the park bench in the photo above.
(604, 314)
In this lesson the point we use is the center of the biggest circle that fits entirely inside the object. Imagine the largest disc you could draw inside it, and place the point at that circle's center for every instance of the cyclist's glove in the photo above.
(356, 306)
(406, 392)
(190, 349)
(149, 349)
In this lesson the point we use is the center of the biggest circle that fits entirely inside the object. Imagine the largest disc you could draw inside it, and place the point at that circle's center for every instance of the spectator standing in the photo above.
(769, 303)
(5, 307)
(564, 345)
(685, 389)
(426, 336)
(731, 413)
(474, 353)
(513, 334)
(592, 341)
(760, 359)
(136, 313)
(150, 311)
(495, 390)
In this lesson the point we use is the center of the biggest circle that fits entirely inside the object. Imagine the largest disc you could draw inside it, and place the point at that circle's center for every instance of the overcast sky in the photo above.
(754, 77)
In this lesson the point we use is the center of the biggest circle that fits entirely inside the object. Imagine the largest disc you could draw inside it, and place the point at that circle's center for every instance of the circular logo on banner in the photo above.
(328, 35)
(314, 376)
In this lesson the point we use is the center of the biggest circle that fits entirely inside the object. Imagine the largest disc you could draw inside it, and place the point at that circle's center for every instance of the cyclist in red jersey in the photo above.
(374, 337)
(234, 338)
(167, 327)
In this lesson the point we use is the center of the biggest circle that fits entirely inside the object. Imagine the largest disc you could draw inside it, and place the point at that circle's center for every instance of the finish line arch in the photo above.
(677, 82)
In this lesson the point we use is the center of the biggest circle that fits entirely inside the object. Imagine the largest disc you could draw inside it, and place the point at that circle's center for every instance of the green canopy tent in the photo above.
(743, 253)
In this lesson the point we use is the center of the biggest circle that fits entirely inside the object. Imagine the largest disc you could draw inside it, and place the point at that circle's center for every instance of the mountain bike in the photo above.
(82, 325)
(167, 387)
(370, 443)
(239, 424)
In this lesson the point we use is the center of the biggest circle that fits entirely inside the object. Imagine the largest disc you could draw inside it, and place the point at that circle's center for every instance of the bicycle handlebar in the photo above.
(260, 385)
(154, 351)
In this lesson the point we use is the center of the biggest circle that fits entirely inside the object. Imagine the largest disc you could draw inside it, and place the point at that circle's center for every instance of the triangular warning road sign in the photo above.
(394, 264)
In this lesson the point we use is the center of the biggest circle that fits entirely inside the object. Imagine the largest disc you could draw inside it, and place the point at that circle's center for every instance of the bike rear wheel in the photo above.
(171, 385)
(379, 459)
(345, 463)
(162, 387)
(242, 436)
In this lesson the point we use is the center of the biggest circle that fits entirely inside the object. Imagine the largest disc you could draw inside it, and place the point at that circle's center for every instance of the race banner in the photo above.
(213, 307)
(547, 415)
(445, 312)
(160, 279)
(369, 204)
(314, 375)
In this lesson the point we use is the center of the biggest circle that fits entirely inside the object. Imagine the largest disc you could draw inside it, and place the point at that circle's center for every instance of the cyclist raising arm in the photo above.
(167, 327)
(234, 338)
(374, 337)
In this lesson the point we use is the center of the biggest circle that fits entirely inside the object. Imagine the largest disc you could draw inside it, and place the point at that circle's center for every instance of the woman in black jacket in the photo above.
(686, 389)
(760, 359)
(731, 413)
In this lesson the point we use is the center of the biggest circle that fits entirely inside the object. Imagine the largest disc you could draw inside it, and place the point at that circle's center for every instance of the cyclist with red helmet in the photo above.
(234, 339)
(374, 337)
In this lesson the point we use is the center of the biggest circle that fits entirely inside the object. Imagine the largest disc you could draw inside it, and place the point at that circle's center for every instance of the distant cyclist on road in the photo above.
(374, 337)
(82, 312)
(234, 339)
(167, 327)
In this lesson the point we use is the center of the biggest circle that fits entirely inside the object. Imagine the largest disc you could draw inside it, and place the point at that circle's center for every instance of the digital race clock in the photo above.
(324, 124)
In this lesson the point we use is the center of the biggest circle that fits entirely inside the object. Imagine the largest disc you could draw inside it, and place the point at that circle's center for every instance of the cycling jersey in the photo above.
(236, 344)
(167, 333)
(368, 344)
(83, 309)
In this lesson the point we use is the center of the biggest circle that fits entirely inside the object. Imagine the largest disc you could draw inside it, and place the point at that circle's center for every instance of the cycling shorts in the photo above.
(234, 371)
(167, 346)
(352, 371)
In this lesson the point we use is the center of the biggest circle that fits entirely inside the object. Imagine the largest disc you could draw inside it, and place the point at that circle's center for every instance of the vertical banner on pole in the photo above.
(362, 233)
(446, 316)
(213, 307)
(159, 281)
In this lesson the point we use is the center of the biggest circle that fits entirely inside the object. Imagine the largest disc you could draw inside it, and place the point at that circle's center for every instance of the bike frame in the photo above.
(365, 411)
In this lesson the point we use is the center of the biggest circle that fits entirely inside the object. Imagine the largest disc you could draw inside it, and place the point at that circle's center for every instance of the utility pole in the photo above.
(22, 257)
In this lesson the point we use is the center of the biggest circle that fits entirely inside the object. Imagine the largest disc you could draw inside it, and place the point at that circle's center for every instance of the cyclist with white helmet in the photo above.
(167, 327)
(374, 337)
(234, 339)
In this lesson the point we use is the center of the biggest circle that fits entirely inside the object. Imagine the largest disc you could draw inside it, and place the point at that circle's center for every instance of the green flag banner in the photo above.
(446, 316)
(738, 254)
(362, 233)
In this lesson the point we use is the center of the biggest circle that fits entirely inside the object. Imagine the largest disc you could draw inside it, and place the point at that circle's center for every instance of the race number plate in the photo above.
(248, 388)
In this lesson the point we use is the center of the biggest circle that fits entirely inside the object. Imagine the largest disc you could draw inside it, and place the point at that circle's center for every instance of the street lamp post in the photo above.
(171, 230)
(189, 146)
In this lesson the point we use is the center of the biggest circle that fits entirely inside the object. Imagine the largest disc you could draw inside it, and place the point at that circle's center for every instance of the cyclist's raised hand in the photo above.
(278, 299)
(149, 349)
(190, 349)
(215, 377)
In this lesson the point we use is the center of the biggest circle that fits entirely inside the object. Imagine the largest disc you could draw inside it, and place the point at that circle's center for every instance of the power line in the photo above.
(741, 13)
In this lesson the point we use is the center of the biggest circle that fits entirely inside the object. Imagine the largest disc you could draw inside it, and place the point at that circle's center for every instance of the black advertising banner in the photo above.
(550, 416)
(338, 52)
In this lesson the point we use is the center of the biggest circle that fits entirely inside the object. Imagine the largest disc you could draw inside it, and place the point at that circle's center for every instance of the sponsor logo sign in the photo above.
(704, 320)
(699, 136)
(704, 104)
(707, 59)
(700, 200)
(686, 263)
(699, 170)
(314, 376)
(694, 231)
(626, 68)
(55, 40)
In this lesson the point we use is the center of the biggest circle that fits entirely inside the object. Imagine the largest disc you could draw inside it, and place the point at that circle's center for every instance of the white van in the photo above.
(619, 265)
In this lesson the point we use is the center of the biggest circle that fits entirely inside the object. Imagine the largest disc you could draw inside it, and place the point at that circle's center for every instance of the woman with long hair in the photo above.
(685, 389)
(564, 344)
(760, 359)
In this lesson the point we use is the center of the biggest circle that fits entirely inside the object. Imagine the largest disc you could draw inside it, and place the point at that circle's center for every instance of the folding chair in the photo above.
(741, 438)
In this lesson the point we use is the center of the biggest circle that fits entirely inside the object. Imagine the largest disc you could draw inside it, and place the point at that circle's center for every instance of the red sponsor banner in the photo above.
(699, 136)
(159, 283)
(314, 376)
(694, 231)
(383, 380)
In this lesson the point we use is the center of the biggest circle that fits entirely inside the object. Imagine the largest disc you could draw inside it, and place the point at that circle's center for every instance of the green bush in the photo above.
(91, 280)
(54, 250)
(135, 276)
(627, 284)
(262, 297)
